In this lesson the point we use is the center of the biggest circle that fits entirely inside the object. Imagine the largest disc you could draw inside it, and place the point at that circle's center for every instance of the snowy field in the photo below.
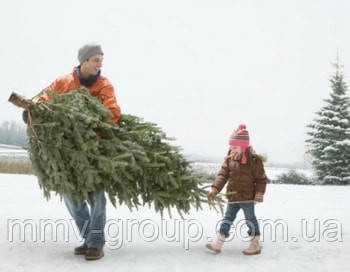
(305, 228)
(11, 151)
(271, 172)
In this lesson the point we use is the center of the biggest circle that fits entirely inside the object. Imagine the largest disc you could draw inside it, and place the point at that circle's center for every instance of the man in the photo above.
(88, 74)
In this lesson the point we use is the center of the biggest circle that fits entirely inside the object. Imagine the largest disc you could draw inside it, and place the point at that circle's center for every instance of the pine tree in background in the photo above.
(329, 142)
(74, 152)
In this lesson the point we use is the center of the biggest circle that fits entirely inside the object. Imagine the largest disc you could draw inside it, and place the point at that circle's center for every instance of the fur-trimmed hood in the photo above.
(250, 153)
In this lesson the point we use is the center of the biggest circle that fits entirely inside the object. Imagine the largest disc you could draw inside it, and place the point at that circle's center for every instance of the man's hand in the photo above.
(109, 119)
(101, 133)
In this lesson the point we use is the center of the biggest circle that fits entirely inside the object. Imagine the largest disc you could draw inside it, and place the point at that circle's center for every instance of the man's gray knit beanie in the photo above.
(89, 50)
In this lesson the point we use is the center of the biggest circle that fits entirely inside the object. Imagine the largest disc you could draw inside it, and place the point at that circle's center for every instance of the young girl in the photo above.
(244, 171)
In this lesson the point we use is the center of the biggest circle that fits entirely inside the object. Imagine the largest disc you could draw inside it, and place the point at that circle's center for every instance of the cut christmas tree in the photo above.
(74, 152)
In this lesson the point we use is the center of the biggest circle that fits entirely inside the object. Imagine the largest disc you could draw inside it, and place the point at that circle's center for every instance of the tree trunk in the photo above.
(20, 101)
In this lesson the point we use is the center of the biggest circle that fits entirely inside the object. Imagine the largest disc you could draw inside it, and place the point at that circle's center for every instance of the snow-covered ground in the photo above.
(305, 228)
(271, 172)
(11, 151)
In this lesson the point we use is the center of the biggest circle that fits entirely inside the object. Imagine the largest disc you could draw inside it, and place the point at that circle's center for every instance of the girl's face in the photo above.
(236, 149)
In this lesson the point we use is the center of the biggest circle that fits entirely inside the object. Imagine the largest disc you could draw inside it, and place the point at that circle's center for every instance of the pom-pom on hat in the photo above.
(240, 137)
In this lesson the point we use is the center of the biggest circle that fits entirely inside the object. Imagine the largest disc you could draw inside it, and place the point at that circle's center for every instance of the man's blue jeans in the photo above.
(230, 215)
(91, 223)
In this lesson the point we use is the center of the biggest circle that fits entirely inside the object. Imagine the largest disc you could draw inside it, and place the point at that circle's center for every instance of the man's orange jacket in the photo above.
(102, 89)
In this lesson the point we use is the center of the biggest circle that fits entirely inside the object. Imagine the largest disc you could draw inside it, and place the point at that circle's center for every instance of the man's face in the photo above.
(92, 66)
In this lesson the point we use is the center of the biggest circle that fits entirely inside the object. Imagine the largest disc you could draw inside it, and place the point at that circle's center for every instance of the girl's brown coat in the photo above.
(244, 180)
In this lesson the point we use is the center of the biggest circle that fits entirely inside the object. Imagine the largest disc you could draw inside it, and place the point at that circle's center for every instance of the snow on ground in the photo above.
(305, 228)
(11, 151)
(271, 172)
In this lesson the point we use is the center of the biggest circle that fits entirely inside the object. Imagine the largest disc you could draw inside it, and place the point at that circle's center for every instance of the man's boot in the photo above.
(254, 247)
(81, 250)
(94, 253)
(217, 245)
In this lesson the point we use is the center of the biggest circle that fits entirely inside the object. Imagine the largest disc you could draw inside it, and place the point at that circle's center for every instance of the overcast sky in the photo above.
(197, 68)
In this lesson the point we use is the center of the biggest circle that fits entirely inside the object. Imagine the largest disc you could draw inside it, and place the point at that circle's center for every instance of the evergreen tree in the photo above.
(74, 152)
(329, 142)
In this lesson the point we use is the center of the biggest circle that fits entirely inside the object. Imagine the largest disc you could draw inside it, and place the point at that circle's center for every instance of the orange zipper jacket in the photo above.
(102, 89)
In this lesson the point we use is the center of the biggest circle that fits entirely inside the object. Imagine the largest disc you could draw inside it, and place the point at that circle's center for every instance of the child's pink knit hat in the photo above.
(240, 137)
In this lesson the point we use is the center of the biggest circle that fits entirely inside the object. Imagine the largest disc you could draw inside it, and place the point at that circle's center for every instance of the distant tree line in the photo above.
(12, 133)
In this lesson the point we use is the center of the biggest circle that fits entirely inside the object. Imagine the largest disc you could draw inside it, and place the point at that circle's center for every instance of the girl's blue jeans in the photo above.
(230, 215)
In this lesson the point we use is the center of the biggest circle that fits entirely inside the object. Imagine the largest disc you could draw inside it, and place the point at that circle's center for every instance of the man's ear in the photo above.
(84, 62)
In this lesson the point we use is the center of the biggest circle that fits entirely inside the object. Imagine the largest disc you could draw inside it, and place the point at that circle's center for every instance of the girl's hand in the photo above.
(213, 192)
(259, 197)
